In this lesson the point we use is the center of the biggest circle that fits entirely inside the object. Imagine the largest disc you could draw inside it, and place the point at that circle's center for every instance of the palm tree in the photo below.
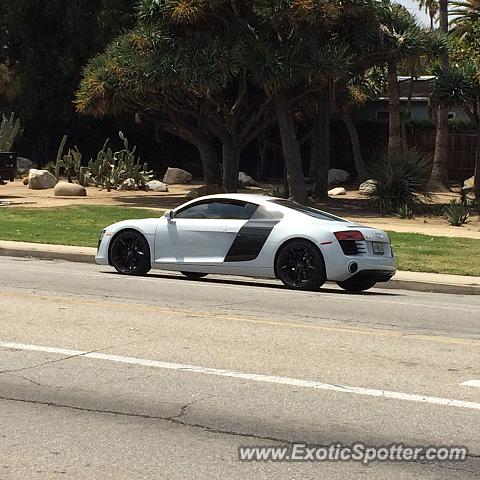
(400, 38)
(431, 8)
(464, 13)
(439, 176)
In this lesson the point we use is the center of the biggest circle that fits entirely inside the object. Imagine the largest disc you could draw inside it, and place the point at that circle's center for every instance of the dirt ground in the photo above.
(352, 206)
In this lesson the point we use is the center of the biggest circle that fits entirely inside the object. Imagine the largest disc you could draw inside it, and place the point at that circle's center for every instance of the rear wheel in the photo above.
(356, 284)
(300, 266)
(194, 275)
(130, 253)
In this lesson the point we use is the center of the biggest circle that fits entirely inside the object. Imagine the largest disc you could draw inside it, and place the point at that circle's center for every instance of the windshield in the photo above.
(312, 212)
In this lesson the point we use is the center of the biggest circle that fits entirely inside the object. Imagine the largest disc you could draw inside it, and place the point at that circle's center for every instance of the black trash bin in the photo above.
(8, 161)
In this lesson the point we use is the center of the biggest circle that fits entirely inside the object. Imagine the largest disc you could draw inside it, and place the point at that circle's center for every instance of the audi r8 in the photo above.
(255, 236)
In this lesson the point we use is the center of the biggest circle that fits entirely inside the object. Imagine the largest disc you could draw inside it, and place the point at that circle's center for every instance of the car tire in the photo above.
(194, 275)
(130, 253)
(300, 266)
(356, 285)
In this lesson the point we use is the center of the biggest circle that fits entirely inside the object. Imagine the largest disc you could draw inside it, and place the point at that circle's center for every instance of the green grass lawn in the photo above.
(73, 225)
(424, 253)
(81, 225)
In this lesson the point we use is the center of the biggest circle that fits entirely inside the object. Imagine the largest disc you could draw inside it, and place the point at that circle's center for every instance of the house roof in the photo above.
(421, 88)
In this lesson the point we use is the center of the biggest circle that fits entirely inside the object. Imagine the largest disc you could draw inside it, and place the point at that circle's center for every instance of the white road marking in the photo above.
(472, 383)
(265, 282)
(371, 392)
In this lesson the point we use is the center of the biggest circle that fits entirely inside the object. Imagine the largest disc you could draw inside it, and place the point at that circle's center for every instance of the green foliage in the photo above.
(70, 163)
(402, 179)
(109, 170)
(405, 212)
(9, 129)
(457, 213)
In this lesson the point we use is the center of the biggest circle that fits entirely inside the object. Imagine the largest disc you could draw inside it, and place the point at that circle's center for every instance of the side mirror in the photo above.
(169, 215)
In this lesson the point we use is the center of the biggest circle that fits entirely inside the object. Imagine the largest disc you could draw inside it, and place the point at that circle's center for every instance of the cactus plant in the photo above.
(71, 163)
(9, 129)
(109, 170)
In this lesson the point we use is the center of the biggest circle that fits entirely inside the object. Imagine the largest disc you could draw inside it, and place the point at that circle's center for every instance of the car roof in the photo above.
(245, 197)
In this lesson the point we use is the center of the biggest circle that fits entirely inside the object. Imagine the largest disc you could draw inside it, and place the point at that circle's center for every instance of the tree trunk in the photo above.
(291, 150)
(357, 154)
(394, 129)
(211, 171)
(231, 160)
(476, 175)
(322, 150)
(439, 177)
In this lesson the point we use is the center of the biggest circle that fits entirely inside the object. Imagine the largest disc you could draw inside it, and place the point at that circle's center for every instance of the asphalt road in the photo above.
(104, 376)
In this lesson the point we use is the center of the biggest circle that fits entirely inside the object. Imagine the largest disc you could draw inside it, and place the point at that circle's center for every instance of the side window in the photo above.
(227, 210)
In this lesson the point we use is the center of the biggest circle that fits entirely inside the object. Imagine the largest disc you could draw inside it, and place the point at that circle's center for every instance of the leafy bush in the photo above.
(402, 179)
(405, 212)
(457, 214)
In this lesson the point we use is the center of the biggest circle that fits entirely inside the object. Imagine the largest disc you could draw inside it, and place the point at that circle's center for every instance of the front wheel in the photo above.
(130, 253)
(356, 285)
(300, 266)
(194, 275)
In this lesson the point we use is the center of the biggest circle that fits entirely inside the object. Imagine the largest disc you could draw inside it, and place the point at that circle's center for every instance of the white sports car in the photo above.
(251, 235)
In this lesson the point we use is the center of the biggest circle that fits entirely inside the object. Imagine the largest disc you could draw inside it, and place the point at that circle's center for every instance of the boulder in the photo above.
(176, 175)
(156, 186)
(246, 180)
(205, 190)
(367, 187)
(129, 184)
(337, 191)
(65, 189)
(41, 179)
(24, 165)
(337, 176)
(469, 183)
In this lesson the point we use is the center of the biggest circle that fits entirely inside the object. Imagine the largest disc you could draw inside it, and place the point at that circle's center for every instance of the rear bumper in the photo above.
(374, 275)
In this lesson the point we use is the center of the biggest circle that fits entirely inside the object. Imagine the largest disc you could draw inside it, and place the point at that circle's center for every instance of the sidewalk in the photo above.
(417, 281)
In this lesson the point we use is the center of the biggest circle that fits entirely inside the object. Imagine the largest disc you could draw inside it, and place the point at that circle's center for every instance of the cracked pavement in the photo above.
(75, 417)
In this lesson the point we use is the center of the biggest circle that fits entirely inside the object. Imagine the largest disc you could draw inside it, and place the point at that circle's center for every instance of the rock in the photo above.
(337, 176)
(65, 189)
(25, 181)
(367, 187)
(246, 180)
(176, 175)
(41, 179)
(129, 184)
(205, 190)
(337, 191)
(156, 186)
(24, 165)
(469, 183)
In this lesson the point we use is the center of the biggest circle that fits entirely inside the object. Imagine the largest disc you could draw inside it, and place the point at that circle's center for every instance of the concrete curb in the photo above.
(419, 282)
(48, 252)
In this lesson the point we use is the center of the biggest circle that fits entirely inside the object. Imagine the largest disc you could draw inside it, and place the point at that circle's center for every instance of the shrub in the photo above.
(457, 214)
(402, 179)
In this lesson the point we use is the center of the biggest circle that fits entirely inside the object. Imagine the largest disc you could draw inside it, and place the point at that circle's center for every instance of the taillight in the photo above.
(349, 235)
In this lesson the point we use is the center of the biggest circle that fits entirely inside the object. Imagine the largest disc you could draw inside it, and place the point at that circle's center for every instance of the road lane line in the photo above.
(209, 316)
(254, 377)
(472, 383)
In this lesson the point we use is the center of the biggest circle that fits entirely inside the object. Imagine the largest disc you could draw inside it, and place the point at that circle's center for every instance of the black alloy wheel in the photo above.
(194, 275)
(130, 253)
(300, 266)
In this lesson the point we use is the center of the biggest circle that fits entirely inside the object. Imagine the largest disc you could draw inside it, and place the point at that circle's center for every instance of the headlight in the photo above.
(100, 238)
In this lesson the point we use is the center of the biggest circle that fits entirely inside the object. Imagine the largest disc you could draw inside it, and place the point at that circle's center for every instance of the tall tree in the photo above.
(439, 177)
(46, 45)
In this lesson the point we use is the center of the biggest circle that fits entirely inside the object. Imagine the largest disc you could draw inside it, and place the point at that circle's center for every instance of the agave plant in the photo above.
(457, 214)
(402, 179)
